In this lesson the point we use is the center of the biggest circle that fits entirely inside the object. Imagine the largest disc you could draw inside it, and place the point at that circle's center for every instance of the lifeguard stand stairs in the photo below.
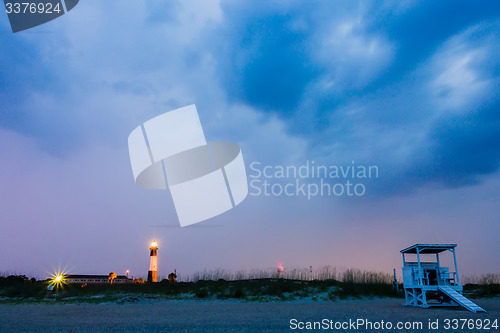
(428, 284)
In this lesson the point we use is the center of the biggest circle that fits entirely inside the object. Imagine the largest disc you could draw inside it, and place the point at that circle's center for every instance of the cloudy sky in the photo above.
(411, 87)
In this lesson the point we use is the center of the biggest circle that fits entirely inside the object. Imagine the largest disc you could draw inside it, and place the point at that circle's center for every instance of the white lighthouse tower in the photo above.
(153, 263)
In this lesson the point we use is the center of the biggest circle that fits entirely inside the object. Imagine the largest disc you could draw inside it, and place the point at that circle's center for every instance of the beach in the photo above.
(157, 315)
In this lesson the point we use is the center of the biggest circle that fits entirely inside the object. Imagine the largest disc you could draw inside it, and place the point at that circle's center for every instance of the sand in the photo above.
(222, 316)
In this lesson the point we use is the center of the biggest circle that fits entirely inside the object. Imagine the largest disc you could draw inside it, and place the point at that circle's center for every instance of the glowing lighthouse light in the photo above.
(153, 262)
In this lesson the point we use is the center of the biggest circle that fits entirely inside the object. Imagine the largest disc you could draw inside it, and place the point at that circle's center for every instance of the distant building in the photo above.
(95, 279)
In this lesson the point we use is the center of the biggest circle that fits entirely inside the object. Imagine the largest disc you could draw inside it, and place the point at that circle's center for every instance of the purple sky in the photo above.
(290, 83)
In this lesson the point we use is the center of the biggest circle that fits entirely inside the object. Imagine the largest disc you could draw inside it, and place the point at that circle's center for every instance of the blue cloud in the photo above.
(267, 64)
(23, 75)
(306, 62)
(353, 80)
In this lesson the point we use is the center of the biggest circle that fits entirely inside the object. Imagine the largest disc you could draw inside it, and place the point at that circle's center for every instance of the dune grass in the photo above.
(328, 284)
(256, 285)
(255, 289)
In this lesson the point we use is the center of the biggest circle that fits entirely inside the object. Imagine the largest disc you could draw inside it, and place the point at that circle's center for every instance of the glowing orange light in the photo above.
(57, 279)
(154, 244)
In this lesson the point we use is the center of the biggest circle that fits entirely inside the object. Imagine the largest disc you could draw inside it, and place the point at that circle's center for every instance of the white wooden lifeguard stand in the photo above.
(429, 284)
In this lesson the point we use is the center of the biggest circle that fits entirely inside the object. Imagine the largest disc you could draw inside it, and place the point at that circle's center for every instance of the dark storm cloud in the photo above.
(383, 80)
(267, 63)
(392, 83)
(461, 150)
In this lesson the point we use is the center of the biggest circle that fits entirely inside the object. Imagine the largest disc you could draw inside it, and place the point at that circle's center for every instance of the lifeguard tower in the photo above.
(428, 283)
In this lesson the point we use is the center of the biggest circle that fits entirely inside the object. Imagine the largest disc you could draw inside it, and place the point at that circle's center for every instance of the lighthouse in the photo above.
(153, 263)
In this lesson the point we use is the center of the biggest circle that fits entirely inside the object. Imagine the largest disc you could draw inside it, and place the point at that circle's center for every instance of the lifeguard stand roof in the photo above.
(429, 248)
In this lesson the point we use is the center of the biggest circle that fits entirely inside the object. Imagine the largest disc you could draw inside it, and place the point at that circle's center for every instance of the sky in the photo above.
(410, 87)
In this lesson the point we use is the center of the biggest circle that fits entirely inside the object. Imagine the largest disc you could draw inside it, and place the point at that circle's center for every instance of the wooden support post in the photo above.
(457, 282)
